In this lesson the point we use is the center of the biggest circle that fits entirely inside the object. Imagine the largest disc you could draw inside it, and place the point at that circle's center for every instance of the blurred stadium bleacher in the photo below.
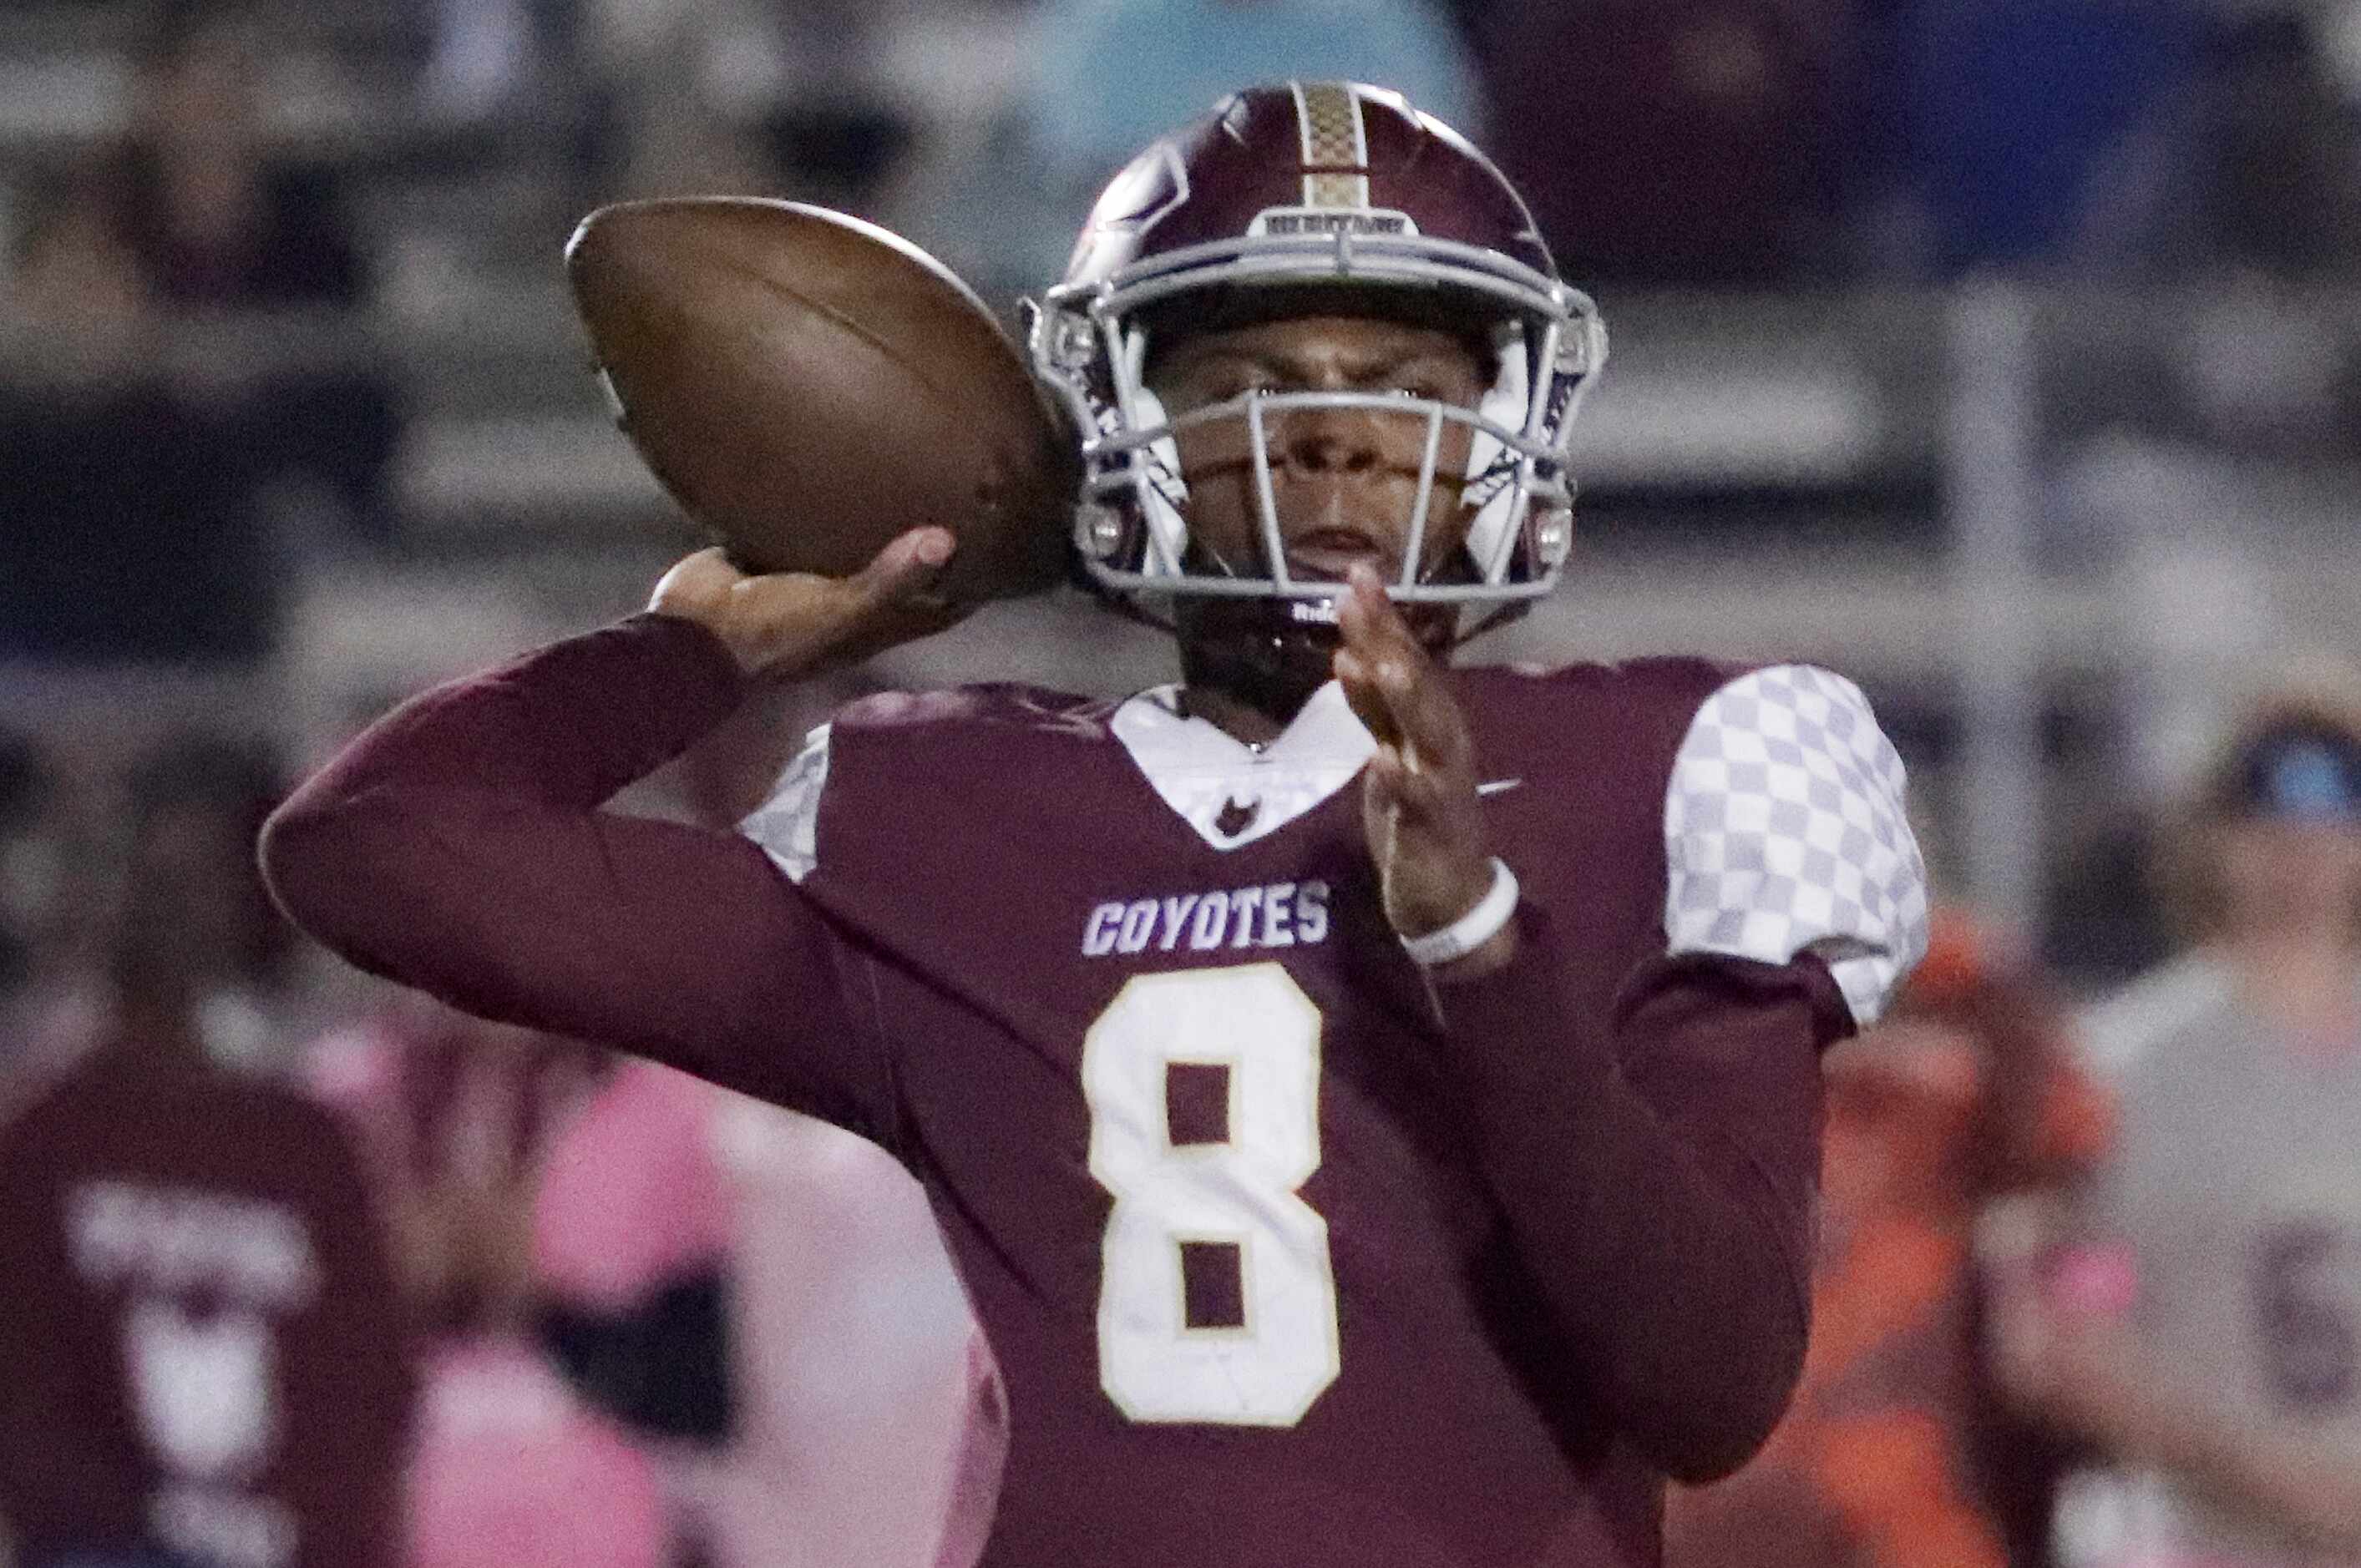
(2054, 519)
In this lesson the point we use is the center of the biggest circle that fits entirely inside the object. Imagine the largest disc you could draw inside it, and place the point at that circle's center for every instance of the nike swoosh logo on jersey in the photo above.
(1497, 786)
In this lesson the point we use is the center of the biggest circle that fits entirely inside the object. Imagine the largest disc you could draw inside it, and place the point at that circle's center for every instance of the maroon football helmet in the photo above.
(1311, 190)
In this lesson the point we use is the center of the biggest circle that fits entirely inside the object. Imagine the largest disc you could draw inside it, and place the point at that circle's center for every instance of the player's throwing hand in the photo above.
(1418, 803)
(796, 623)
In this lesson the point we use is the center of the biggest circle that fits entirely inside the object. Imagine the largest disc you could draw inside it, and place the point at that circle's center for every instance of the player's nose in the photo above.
(1329, 442)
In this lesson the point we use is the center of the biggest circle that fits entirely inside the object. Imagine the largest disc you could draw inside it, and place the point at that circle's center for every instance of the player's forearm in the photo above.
(1661, 1201)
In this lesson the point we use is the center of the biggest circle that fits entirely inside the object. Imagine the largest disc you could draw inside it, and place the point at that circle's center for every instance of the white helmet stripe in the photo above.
(1335, 144)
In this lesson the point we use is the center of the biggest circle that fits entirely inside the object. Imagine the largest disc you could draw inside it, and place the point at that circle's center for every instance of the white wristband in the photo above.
(1471, 930)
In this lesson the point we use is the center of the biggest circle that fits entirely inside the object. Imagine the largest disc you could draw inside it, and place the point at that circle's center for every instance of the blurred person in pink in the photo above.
(2196, 1313)
(510, 1471)
(765, 1303)
(456, 1136)
(510, 1468)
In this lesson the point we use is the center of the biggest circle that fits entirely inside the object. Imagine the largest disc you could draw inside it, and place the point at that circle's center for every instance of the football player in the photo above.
(1374, 1107)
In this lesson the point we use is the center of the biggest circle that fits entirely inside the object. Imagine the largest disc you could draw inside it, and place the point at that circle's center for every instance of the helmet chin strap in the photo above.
(1263, 652)
(1254, 651)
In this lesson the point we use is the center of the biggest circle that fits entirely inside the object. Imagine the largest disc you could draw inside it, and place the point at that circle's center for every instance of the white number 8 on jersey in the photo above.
(1256, 1022)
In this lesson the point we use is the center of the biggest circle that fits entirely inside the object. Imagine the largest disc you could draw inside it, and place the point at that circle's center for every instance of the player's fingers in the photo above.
(885, 602)
(905, 568)
(1369, 706)
(1420, 708)
(904, 620)
(1421, 802)
(1429, 811)
(1367, 620)
(1424, 712)
(702, 578)
(1376, 647)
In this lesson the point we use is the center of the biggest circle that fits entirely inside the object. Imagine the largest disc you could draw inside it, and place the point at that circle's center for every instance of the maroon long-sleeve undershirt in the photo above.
(1660, 1179)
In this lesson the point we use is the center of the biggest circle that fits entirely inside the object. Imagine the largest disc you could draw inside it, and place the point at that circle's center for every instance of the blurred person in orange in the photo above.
(2196, 1313)
(209, 1362)
(1896, 1453)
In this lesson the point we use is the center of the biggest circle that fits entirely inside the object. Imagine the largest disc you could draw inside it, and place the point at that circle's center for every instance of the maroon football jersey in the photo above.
(205, 1347)
(1287, 1256)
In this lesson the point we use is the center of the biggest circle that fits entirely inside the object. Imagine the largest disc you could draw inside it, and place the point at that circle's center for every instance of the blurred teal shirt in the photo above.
(1115, 74)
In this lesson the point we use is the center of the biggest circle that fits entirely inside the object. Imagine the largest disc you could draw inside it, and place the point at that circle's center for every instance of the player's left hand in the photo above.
(1418, 806)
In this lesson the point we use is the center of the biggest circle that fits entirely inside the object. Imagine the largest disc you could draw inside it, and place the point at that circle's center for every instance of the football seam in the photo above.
(885, 350)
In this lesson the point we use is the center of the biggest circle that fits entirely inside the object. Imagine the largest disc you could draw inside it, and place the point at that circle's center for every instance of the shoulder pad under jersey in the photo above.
(786, 826)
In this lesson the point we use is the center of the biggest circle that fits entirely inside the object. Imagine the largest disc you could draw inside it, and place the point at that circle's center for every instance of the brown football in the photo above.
(809, 385)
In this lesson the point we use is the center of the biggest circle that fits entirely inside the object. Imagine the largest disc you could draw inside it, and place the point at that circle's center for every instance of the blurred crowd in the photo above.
(303, 1270)
(496, 1299)
(221, 238)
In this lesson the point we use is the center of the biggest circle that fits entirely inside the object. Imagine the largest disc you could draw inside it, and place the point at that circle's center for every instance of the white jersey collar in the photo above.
(1233, 794)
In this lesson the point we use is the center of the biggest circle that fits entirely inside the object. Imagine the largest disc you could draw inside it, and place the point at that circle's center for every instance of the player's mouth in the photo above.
(1326, 554)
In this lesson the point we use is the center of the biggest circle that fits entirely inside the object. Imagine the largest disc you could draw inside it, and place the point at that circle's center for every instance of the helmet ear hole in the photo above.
(1553, 537)
(1102, 532)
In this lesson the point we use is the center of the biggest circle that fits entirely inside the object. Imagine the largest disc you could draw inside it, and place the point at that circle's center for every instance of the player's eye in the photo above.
(1223, 387)
(1413, 381)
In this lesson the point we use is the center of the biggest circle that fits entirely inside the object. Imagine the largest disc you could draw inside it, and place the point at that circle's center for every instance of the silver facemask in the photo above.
(1131, 526)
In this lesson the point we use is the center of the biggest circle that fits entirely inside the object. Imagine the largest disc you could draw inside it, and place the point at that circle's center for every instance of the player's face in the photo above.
(1344, 482)
(2283, 875)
